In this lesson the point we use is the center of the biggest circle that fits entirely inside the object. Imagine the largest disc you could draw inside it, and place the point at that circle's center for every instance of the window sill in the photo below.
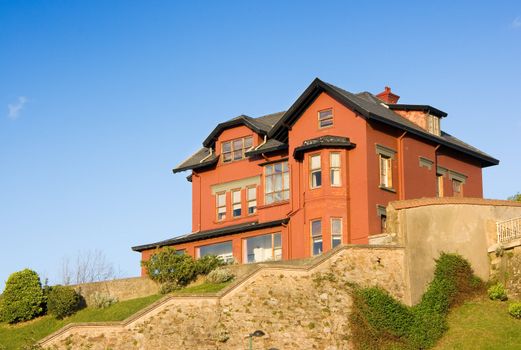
(388, 189)
(273, 204)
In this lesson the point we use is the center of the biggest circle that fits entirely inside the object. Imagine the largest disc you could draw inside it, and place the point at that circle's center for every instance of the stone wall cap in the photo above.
(421, 202)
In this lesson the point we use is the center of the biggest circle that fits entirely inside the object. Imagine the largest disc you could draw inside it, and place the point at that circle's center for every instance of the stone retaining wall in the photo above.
(298, 307)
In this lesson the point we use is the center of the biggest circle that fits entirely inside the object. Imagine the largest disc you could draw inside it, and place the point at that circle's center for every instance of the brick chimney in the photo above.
(387, 96)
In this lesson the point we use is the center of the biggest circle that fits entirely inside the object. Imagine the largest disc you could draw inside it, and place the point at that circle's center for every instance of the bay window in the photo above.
(315, 171)
(316, 237)
(262, 248)
(336, 232)
(334, 169)
(276, 187)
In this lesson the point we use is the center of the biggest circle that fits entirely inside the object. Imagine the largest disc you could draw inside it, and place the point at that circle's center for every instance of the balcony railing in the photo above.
(508, 230)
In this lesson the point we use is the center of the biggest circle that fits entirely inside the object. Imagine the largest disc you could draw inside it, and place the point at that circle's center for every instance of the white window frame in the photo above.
(251, 199)
(276, 196)
(231, 153)
(220, 207)
(335, 168)
(336, 234)
(315, 170)
(325, 118)
(236, 204)
(316, 238)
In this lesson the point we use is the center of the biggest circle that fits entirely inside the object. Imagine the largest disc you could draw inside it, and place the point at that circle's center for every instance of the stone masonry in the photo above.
(297, 307)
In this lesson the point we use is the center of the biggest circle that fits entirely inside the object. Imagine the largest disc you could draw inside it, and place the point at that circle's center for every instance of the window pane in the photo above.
(337, 240)
(227, 157)
(315, 162)
(278, 167)
(278, 182)
(237, 144)
(237, 154)
(335, 160)
(269, 184)
(327, 122)
(286, 181)
(269, 199)
(336, 226)
(277, 196)
(252, 193)
(316, 179)
(221, 199)
(335, 177)
(221, 250)
(285, 195)
(325, 114)
(317, 245)
(227, 147)
(284, 166)
(248, 142)
(236, 196)
(269, 169)
(316, 228)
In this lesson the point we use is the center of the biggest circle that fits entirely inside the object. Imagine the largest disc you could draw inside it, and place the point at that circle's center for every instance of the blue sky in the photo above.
(100, 99)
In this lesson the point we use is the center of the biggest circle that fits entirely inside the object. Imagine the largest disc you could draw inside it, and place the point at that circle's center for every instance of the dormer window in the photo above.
(235, 149)
(325, 118)
(433, 125)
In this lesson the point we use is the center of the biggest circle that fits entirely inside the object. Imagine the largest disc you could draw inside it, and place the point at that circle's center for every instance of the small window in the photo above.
(236, 203)
(382, 214)
(334, 167)
(315, 171)
(433, 125)
(252, 200)
(221, 206)
(316, 236)
(325, 118)
(236, 149)
(439, 185)
(386, 173)
(457, 188)
(276, 187)
(336, 232)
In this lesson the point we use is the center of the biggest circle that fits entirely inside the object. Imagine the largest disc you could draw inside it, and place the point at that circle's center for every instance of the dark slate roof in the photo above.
(425, 108)
(321, 142)
(198, 160)
(371, 108)
(261, 125)
(271, 145)
(191, 237)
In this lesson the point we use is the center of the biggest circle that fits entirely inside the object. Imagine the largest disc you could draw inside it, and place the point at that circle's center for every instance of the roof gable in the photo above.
(259, 126)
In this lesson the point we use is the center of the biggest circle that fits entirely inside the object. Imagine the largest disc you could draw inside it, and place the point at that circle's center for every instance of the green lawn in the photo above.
(202, 288)
(14, 337)
(482, 325)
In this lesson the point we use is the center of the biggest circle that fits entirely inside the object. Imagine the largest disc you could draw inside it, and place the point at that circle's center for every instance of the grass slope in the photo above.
(481, 324)
(15, 336)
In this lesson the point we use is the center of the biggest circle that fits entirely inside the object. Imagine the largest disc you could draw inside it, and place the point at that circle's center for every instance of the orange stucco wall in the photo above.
(355, 201)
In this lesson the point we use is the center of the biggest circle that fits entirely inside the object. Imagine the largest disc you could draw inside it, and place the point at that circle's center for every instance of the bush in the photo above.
(167, 266)
(514, 309)
(378, 319)
(219, 275)
(22, 297)
(103, 300)
(497, 292)
(169, 287)
(208, 263)
(63, 301)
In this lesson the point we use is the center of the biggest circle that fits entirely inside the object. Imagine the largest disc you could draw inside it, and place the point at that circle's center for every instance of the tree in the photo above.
(23, 297)
(88, 266)
(516, 197)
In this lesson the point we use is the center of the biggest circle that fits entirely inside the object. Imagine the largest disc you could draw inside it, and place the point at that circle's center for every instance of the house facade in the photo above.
(298, 183)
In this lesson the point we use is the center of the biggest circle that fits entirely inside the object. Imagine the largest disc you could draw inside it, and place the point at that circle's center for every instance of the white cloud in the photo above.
(516, 23)
(15, 109)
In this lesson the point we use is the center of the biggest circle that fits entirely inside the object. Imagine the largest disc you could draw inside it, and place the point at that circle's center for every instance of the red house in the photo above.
(298, 183)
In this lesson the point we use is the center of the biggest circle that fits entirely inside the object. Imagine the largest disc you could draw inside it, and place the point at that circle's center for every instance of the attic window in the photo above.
(325, 118)
(433, 125)
(235, 149)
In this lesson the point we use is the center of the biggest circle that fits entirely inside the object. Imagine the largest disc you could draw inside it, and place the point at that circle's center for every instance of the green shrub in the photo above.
(514, 309)
(62, 301)
(169, 287)
(497, 292)
(165, 265)
(219, 275)
(379, 321)
(22, 297)
(208, 263)
(102, 300)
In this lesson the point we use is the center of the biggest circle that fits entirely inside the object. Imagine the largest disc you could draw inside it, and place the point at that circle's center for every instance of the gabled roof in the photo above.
(261, 126)
(228, 230)
(370, 107)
